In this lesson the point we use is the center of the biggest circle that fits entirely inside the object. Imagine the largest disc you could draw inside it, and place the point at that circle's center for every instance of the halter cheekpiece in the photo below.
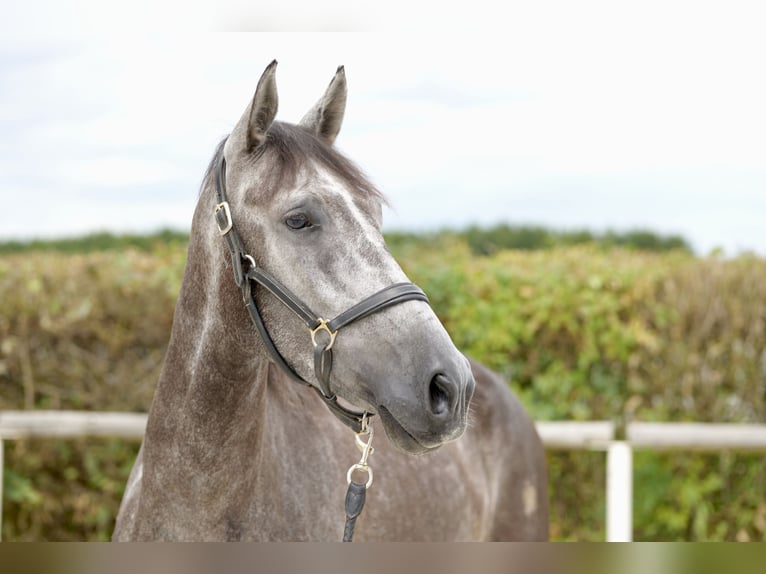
(323, 333)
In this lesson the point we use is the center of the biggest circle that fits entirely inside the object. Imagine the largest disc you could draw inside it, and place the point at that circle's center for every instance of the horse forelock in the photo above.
(287, 151)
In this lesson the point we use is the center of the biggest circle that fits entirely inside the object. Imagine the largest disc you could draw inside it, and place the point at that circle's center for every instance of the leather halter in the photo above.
(247, 274)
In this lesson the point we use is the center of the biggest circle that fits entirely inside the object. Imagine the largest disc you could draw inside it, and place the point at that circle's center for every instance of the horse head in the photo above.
(308, 218)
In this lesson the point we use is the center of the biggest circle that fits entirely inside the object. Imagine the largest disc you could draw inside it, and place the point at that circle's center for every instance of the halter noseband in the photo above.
(323, 332)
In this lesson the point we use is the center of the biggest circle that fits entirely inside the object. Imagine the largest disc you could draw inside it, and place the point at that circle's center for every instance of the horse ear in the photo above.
(261, 112)
(326, 117)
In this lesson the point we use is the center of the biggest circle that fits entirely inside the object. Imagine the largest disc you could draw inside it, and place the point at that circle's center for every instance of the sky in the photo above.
(596, 115)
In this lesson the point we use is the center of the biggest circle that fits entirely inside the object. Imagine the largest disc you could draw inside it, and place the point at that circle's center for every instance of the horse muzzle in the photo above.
(419, 418)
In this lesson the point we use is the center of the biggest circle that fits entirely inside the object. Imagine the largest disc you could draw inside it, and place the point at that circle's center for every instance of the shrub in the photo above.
(581, 333)
(83, 332)
(587, 334)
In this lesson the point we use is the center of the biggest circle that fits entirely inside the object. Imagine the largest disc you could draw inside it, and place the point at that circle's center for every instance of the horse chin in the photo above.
(399, 436)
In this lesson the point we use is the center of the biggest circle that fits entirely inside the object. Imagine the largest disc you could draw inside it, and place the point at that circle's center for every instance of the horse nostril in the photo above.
(440, 394)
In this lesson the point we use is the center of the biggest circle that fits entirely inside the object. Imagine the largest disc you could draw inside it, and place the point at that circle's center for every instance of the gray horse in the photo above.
(236, 450)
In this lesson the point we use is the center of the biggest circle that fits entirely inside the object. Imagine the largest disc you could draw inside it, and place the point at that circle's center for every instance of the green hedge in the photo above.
(588, 334)
(581, 333)
(84, 332)
(481, 240)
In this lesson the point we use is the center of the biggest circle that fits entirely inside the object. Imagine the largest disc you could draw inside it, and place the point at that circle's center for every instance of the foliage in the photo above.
(482, 241)
(101, 241)
(85, 331)
(582, 332)
(79, 332)
(487, 241)
(587, 334)
(65, 490)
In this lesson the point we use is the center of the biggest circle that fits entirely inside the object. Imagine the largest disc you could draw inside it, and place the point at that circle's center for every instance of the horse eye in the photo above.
(298, 221)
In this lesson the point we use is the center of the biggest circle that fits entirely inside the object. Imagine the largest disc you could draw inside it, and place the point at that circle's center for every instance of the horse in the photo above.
(248, 437)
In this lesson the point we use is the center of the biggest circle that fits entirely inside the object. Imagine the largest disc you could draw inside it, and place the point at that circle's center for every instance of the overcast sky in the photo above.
(597, 117)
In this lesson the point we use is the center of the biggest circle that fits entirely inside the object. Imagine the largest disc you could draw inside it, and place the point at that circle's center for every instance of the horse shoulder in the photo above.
(514, 458)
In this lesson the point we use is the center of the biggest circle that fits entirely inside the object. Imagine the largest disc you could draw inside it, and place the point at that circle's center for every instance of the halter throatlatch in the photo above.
(323, 332)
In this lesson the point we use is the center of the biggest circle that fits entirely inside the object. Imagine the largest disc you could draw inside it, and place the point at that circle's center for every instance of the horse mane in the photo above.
(291, 148)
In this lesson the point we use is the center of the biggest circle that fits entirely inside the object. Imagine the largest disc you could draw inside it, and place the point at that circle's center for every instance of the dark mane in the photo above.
(210, 171)
(288, 149)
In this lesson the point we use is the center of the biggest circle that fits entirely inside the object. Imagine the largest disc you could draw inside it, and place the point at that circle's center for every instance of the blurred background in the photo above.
(581, 190)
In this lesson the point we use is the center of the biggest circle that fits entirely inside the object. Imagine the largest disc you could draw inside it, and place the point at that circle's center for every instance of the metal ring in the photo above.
(249, 259)
(363, 468)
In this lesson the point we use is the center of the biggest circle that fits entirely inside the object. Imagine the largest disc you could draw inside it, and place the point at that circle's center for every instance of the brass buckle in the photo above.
(224, 205)
(323, 327)
(367, 450)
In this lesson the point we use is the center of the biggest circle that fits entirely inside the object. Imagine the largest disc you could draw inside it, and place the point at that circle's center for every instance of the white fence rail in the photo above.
(555, 436)
(70, 424)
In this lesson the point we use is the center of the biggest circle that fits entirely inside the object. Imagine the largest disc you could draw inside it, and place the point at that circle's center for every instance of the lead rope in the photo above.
(357, 491)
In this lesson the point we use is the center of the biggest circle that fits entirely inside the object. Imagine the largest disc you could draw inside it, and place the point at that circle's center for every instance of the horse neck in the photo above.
(215, 366)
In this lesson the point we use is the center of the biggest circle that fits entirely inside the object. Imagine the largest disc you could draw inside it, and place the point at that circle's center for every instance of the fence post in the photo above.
(619, 492)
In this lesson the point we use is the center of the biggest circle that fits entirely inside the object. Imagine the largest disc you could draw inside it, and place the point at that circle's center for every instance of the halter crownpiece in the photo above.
(323, 332)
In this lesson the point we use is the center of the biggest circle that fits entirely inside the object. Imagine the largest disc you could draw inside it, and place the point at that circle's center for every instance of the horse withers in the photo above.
(236, 449)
